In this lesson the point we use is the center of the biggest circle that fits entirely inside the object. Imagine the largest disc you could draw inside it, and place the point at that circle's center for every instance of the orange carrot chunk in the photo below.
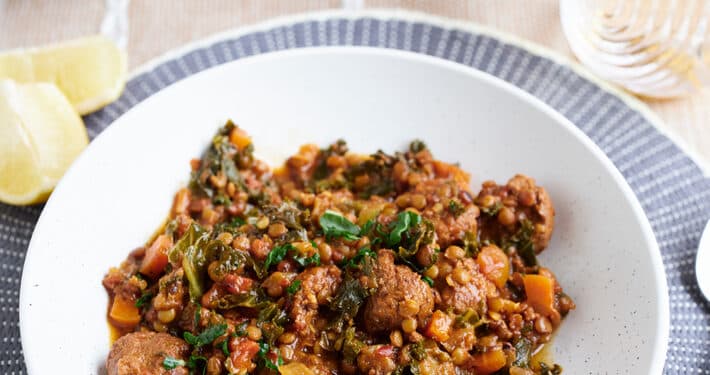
(156, 256)
(239, 138)
(124, 312)
(439, 326)
(488, 362)
(540, 291)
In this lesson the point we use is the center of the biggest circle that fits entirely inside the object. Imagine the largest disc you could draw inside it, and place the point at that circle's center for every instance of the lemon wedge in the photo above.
(40, 135)
(90, 71)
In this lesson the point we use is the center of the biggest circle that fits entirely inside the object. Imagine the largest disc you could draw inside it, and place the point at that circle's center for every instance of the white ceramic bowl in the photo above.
(120, 189)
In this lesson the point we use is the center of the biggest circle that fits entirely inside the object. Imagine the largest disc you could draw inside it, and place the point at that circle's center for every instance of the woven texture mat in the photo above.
(671, 188)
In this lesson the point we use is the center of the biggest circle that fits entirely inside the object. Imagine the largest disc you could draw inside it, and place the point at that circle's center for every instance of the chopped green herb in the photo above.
(197, 317)
(417, 146)
(276, 255)
(493, 209)
(405, 220)
(455, 208)
(264, 350)
(225, 348)
(241, 330)
(307, 261)
(469, 318)
(417, 351)
(470, 244)
(522, 240)
(144, 299)
(358, 258)
(336, 225)
(237, 222)
(271, 321)
(367, 227)
(222, 200)
(351, 345)
(523, 352)
(170, 363)
(428, 280)
(206, 337)
(294, 287)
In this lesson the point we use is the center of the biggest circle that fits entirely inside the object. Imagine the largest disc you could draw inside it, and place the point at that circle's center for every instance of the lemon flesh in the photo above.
(90, 71)
(40, 136)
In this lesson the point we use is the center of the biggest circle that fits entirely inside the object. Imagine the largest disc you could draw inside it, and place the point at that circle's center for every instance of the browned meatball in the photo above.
(144, 352)
(506, 207)
(448, 206)
(318, 286)
(463, 287)
(401, 294)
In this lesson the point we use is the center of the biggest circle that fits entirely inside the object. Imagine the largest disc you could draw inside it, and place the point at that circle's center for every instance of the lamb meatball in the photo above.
(449, 208)
(463, 287)
(504, 208)
(144, 352)
(401, 294)
(318, 286)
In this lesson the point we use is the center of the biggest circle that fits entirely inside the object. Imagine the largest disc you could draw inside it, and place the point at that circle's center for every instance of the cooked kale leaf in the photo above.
(347, 301)
(336, 225)
(523, 352)
(207, 336)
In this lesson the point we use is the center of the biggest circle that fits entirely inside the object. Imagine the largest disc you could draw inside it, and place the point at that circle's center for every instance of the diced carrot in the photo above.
(195, 164)
(540, 292)
(242, 351)
(443, 169)
(124, 312)
(181, 202)
(156, 257)
(494, 265)
(488, 362)
(439, 326)
(239, 138)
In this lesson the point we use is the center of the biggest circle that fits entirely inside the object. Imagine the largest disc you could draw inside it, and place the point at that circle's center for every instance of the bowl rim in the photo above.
(660, 344)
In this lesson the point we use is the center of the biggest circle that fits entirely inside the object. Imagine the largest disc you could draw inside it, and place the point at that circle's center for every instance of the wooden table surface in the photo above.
(157, 26)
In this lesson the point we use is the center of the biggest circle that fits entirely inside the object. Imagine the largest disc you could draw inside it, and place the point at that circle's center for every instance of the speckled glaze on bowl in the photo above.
(603, 251)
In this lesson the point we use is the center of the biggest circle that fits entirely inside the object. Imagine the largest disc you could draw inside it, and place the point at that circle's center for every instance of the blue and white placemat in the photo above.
(670, 185)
